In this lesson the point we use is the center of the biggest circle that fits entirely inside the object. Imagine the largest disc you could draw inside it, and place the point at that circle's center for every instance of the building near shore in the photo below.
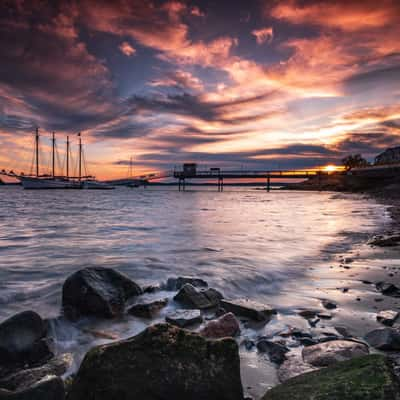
(389, 156)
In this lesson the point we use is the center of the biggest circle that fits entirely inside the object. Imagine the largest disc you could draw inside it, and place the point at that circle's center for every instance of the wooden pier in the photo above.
(189, 171)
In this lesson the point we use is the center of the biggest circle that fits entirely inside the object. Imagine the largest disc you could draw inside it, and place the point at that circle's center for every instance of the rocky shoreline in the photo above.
(194, 353)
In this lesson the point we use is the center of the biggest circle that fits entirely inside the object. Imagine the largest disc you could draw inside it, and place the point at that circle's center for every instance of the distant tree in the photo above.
(354, 161)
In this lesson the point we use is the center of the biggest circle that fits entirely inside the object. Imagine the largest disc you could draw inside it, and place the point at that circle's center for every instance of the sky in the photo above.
(254, 84)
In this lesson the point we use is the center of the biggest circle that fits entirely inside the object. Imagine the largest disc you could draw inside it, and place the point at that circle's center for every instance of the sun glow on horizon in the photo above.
(333, 168)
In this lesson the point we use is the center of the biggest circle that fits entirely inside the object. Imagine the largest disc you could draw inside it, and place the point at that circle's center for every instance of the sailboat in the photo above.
(38, 181)
(52, 181)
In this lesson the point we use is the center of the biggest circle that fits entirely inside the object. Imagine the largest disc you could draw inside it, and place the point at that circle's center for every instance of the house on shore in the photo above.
(389, 156)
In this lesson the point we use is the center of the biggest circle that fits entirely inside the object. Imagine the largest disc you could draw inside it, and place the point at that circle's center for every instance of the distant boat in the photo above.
(52, 181)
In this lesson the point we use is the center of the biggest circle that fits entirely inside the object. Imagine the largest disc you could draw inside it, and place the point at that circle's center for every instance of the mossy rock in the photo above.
(365, 378)
(161, 363)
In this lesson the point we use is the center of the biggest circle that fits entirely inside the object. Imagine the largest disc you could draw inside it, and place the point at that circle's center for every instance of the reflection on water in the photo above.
(281, 248)
(244, 242)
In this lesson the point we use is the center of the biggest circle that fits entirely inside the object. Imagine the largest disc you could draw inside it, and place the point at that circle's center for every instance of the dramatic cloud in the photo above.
(292, 83)
(349, 16)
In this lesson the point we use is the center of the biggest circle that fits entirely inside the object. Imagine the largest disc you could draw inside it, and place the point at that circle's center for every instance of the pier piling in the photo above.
(220, 184)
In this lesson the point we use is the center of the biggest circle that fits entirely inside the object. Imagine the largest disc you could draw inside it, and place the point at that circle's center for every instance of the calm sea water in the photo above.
(244, 242)
(276, 248)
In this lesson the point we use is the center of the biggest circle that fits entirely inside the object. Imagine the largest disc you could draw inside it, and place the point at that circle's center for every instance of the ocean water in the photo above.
(281, 248)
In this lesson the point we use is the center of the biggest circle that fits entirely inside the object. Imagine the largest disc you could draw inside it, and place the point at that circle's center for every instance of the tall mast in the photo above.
(37, 151)
(53, 158)
(80, 156)
(130, 168)
(67, 157)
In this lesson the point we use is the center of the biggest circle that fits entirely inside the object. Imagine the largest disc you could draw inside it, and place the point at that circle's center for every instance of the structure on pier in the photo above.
(190, 171)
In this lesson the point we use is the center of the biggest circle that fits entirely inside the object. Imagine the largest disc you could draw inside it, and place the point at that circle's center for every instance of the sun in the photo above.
(330, 168)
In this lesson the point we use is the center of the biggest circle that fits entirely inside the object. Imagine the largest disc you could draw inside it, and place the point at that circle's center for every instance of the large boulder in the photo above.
(384, 339)
(364, 378)
(23, 341)
(99, 292)
(328, 353)
(25, 378)
(161, 363)
(49, 388)
(225, 326)
(249, 309)
(190, 296)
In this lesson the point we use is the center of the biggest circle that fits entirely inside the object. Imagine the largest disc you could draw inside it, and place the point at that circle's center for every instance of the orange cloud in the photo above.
(181, 79)
(374, 114)
(127, 49)
(350, 16)
(263, 35)
(197, 12)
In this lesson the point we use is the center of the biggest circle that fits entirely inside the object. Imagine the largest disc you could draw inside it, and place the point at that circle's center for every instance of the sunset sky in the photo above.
(255, 84)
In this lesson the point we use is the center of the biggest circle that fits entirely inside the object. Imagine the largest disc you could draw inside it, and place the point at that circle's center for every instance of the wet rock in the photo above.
(384, 339)
(388, 289)
(99, 292)
(151, 289)
(387, 317)
(295, 333)
(178, 283)
(276, 351)
(202, 299)
(162, 362)
(325, 315)
(308, 314)
(49, 388)
(385, 241)
(25, 378)
(333, 351)
(342, 331)
(313, 322)
(220, 312)
(23, 341)
(249, 309)
(148, 310)
(329, 305)
(307, 341)
(224, 326)
(293, 366)
(326, 338)
(183, 318)
(367, 378)
(248, 344)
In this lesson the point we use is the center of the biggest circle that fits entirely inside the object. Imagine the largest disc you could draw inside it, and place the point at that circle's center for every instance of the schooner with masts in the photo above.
(52, 181)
